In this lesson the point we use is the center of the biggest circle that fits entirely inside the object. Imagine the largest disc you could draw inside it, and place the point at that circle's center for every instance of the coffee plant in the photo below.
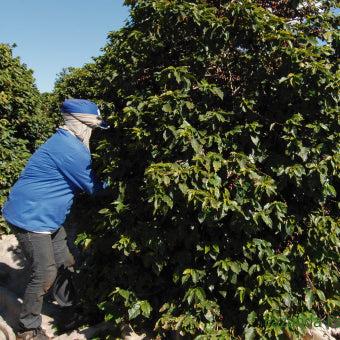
(13, 157)
(24, 125)
(223, 159)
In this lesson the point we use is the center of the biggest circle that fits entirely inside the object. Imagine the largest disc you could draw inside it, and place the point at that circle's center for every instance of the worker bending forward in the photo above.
(40, 200)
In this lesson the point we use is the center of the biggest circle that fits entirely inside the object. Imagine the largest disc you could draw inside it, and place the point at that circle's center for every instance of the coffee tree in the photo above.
(23, 123)
(20, 101)
(13, 156)
(224, 165)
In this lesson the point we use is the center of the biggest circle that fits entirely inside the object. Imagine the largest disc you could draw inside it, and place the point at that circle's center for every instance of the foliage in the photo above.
(224, 163)
(13, 156)
(20, 101)
(24, 123)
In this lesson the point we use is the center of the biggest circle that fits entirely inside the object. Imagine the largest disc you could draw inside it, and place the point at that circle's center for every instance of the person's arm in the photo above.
(77, 168)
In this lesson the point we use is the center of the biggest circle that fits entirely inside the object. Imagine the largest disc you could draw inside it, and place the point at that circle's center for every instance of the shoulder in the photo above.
(65, 146)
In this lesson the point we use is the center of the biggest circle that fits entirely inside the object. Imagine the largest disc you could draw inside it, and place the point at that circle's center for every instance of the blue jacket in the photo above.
(42, 197)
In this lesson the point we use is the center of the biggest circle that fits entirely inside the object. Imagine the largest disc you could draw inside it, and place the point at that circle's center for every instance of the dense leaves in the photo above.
(224, 164)
(20, 101)
(13, 156)
(24, 124)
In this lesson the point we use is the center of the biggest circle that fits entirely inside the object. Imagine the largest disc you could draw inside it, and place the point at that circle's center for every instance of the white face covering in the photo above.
(81, 125)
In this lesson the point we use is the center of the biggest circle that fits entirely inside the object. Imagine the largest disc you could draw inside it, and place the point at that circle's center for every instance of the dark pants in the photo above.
(46, 254)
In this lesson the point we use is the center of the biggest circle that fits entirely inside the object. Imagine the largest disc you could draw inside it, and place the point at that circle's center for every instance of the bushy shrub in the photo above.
(224, 161)
(24, 125)
(13, 156)
(20, 100)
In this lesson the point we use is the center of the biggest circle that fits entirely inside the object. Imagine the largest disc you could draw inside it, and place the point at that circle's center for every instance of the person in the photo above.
(40, 200)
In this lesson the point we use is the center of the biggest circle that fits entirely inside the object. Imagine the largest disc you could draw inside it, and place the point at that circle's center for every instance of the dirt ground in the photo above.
(13, 278)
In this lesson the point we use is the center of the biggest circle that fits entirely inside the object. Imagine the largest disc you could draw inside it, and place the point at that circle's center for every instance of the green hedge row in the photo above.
(24, 125)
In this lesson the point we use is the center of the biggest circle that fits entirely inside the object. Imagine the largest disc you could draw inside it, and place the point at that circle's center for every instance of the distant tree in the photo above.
(24, 125)
(20, 101)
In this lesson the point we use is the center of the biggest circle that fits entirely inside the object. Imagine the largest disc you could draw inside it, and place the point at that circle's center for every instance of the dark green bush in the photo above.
(24, 125)
(224, 161)
(13, 156)
(20, 100)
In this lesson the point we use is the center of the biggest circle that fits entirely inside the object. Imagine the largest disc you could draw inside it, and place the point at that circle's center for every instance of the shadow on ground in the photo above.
(13, 279)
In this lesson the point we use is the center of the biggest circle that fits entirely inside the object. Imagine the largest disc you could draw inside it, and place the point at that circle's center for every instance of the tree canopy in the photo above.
(24, 124)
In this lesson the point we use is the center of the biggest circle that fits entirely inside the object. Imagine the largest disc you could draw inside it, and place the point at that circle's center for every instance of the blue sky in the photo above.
(52, 34)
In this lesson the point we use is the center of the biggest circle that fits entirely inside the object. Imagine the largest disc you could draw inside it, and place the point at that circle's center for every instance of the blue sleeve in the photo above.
(77, 168)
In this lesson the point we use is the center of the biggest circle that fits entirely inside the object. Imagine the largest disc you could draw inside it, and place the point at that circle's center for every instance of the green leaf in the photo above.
(235, 267)
(134, 311)
(255, 139)
(146, 308)
(167, 199)
(303, 153)
(249, 333)
(104, 211)
(321, 295)
(216, 90)
(167, 108)
(309, 298)
(266, 219)
(241, 292)
(190, 105)
(123, 293)
(196, 146)
(329, 190)
(251, 318)
(200, 294)
(183, 187)
(217, 165)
